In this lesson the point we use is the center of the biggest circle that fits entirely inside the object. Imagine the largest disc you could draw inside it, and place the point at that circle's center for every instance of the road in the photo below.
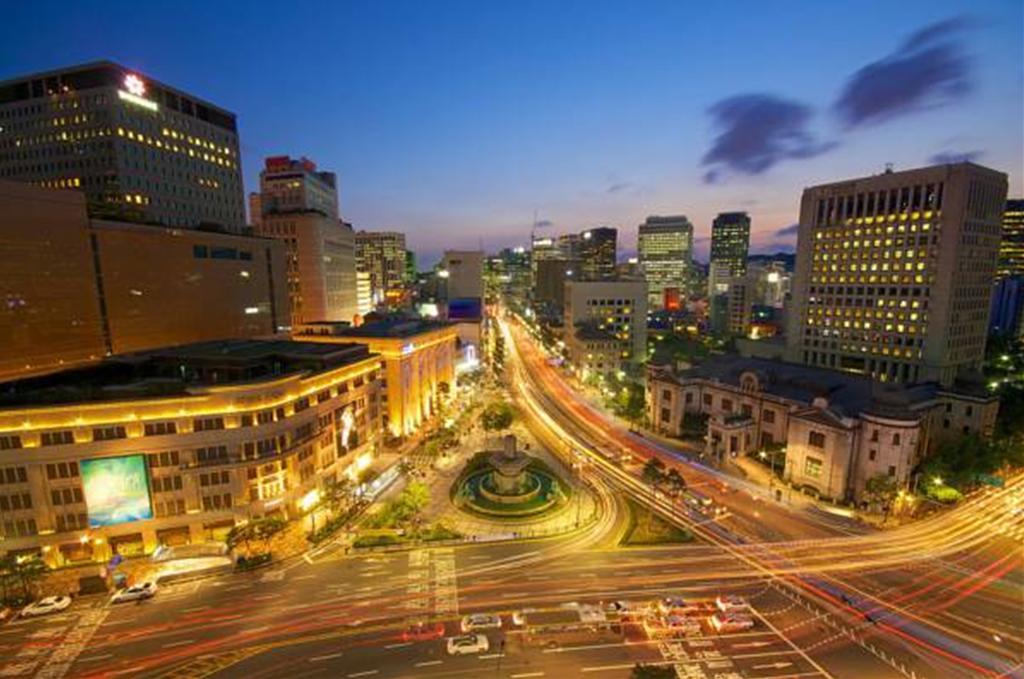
(943, 596)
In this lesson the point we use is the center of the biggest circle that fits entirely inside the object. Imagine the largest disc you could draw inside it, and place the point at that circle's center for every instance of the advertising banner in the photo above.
(116, 490)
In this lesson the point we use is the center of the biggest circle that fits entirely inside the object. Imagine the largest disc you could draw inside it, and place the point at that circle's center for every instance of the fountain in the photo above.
(508, 483)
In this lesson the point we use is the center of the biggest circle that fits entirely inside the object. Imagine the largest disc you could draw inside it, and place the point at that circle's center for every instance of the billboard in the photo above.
(116, 490)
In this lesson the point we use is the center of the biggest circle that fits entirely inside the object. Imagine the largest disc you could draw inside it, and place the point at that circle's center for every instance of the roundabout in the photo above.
(508, 484)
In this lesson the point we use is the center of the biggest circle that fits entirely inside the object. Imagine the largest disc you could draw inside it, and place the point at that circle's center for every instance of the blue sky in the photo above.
(456, 121)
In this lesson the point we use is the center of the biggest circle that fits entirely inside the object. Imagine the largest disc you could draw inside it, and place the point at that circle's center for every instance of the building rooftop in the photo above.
(848, 395)
(176, 371)
(399, 326)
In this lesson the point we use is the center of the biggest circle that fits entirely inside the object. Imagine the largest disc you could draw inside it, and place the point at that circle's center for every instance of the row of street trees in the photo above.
(18, 578)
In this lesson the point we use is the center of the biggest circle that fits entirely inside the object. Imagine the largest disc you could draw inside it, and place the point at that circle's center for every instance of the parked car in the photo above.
(480, 621)
(51, 604)
(676, 606)
(731, 602)
(626, 610)
(423, 631)
(467, 643)
(519, 617)
(145, 590)
(682, 626)
(730, 622)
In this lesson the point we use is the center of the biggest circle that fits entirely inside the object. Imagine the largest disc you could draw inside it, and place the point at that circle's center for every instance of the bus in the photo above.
(569, 625)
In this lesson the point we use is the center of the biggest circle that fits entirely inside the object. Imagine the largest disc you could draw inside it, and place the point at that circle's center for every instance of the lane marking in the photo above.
(399, 645)
(425, 663)
(491, 656)
(329, 656)
(363, 674)
(524, 675)
(179, 643)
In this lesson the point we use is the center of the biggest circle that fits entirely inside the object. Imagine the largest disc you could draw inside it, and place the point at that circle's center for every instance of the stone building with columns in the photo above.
(838, 429)
(176, 446)
(419, 364)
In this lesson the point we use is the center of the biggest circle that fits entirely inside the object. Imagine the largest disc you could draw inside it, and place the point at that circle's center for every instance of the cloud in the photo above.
(930, 69)
(944, 157)
(758, 131)
(619, 187)
(786, 231)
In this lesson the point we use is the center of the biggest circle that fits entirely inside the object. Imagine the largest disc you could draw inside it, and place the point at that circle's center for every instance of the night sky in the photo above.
(456, 122)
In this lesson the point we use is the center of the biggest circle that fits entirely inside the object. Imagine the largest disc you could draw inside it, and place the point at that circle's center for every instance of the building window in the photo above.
(57, 438)
(768, 416)
(727, 404)
(208, 424)
(874, 436)
(10, 442)
(108, 433)
(892, 470)
(895, 439)
(666, 395)
(816, 439)
(160, 428)
(812, 467)
(666, 414)
(748, 410)
(707, 399)
(61, 470)
(872, 455)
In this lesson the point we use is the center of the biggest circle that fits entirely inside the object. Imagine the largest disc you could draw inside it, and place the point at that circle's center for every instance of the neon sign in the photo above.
(135, 85)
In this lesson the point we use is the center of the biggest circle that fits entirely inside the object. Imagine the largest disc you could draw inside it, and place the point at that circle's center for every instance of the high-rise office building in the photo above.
(597, 253)
(605, 325)
(894, 273)
(382, 255)
(1011, 245)
(298, 205)
(730, 244)
(465, 274)
(665, 250)
(137, 148)
(570, 245)
(114, 287)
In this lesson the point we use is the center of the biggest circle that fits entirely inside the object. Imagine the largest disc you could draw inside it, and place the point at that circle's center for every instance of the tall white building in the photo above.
(665, 250)
(299, 205)
(894, 273)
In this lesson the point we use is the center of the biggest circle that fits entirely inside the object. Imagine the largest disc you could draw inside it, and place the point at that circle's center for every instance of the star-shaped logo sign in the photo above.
(134, 85)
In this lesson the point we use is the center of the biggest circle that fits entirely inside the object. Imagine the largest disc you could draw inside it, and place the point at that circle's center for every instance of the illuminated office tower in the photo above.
(1011, 246)
(730, 244)
(137, 148)
(894, 273)
(665, 249)
(597, 253)
(298, 205)
(382, 254)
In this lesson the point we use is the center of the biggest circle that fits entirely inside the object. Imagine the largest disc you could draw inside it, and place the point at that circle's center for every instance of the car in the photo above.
(519, 617)
(145, 590)
(480, 621)
(730, 622)
(467, 643)
(624, 609)
(730, 602)
(676, 606)
(50, 604)
(681, 625)
(423, 631)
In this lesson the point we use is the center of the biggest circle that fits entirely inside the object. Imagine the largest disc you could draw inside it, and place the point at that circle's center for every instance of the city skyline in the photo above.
(468, 123)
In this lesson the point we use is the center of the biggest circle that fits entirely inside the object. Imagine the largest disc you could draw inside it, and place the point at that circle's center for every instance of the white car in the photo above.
(467, 643)
(146, 590)
(730, 602)
(50, 604)
(731, 622)
(477, 621)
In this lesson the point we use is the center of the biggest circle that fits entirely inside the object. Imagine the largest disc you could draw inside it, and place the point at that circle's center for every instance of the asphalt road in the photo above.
(942, 594)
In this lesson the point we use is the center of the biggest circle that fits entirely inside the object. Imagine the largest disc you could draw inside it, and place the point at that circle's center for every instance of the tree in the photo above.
(413, 501)
(675, 481)
(267, 528)
(20, 573)
(653, 473)
(497, 416)
(881, 489)
(241, 534)
(644, 671)
(337, 494)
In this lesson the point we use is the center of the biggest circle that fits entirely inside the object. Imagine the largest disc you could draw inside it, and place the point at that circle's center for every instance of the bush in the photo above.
(376, 541)
(253, 562)
(497, 416)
